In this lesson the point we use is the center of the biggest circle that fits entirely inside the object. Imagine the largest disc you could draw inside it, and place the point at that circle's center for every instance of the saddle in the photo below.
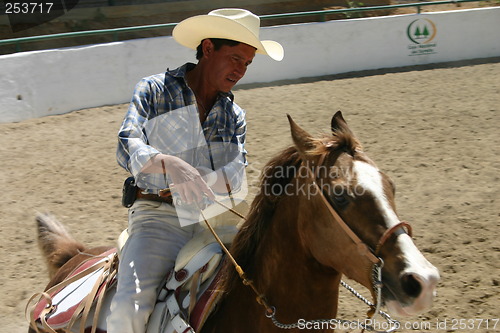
(184, 302)
(190, 291)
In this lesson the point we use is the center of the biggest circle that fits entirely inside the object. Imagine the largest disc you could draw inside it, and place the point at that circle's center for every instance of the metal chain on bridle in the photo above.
(378, 263)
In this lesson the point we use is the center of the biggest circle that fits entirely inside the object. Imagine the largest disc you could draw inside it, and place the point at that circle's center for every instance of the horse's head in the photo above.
(345, 187)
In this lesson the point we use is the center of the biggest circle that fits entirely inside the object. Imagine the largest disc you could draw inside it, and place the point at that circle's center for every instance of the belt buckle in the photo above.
(165, 193)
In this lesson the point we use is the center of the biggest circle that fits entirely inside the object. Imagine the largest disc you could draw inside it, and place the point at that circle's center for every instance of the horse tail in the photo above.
(55, 242)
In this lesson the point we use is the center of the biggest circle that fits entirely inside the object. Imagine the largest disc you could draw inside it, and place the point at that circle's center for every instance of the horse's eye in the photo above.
(340, 200)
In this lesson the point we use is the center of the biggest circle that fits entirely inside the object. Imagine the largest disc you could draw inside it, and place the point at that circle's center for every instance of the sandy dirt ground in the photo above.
(433, 130)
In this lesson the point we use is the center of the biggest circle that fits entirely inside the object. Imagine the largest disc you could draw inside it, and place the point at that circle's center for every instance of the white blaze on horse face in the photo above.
(370, 180)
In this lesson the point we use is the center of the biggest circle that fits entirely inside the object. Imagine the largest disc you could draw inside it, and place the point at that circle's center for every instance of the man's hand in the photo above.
(187, 180)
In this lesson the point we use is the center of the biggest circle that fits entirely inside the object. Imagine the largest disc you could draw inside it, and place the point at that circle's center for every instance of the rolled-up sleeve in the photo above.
(133, 151)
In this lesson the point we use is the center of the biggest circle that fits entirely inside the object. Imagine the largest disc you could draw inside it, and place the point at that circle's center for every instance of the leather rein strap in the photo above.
(362, 247)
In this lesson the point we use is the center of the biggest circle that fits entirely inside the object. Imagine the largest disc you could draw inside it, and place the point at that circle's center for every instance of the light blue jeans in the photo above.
(155, 238)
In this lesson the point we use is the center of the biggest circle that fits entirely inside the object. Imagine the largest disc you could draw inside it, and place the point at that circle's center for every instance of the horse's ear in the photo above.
(339, 124)
(302, 139)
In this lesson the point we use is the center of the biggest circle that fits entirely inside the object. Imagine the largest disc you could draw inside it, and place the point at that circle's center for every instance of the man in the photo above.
(183, 134)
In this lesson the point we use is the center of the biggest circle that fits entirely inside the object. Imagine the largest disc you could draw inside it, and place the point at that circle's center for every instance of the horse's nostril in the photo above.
(411, 285)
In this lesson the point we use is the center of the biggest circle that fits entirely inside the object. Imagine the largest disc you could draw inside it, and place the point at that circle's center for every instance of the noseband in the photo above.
(405, 225)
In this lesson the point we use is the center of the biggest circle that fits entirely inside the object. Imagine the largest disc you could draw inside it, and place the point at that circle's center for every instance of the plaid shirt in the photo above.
(163, 118)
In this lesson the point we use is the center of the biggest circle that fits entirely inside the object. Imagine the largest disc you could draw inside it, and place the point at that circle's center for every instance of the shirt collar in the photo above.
(180, 73)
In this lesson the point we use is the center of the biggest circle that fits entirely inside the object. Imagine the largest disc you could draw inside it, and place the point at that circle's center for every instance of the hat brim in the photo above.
(193, 30)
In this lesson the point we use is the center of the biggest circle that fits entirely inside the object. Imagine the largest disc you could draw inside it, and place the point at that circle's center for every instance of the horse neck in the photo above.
(290, 279)
(289, 276)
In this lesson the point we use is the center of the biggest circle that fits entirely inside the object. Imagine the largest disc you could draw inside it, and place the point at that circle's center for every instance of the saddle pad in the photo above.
(67, 299)
(206, 303)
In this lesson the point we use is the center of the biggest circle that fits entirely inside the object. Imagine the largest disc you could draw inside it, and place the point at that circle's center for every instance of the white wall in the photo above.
(362, 44)
(40, 83)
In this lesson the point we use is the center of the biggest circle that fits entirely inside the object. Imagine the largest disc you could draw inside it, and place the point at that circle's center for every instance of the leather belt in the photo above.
(164, 197)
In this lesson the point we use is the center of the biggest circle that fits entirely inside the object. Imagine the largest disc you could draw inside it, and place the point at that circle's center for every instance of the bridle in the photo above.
(362, 247)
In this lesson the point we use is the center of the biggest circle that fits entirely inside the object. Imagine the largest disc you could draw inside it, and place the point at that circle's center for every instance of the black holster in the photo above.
(129, 192)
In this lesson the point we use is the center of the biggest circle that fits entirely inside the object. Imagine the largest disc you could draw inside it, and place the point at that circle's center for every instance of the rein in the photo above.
(363, 248)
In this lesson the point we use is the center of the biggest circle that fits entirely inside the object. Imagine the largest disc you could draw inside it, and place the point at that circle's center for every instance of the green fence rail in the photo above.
(321, 13)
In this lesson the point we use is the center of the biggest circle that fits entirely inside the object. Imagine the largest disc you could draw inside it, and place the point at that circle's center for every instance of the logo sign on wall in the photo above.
(421, 33)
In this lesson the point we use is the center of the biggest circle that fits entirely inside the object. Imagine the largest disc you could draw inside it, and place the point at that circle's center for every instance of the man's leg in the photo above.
(155, 238)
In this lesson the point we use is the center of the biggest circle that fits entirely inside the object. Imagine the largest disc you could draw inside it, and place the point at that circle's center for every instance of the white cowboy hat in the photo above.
(229, 23)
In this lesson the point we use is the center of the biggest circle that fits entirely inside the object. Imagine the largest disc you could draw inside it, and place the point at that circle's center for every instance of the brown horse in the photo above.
(323, 210)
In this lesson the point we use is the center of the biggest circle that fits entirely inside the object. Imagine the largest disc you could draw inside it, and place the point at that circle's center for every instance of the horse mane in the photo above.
(280, 170)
